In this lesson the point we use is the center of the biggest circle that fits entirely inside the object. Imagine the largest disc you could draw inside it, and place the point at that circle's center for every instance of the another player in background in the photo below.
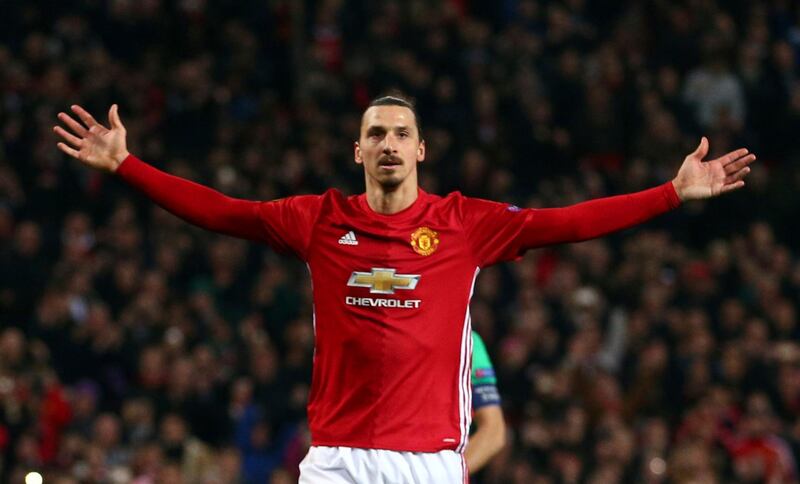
(490, 434)
(392, 271)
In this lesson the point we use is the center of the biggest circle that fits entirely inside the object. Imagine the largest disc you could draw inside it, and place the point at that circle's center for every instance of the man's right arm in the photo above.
(283, 224)
(105, 149)
(195, 203)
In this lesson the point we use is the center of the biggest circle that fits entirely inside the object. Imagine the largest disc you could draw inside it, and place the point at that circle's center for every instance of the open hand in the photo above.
(698, 179)
(91, 142)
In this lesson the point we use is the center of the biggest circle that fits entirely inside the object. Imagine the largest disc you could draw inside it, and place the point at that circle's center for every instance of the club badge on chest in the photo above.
(424, 241)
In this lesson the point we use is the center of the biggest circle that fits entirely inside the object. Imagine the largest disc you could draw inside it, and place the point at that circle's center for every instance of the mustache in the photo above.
(390, 160)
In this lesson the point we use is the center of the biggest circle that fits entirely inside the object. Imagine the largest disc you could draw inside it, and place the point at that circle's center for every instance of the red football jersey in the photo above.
(391, 295)
(392, 357)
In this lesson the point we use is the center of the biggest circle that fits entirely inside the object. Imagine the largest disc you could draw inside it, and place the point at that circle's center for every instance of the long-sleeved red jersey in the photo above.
(392, 292)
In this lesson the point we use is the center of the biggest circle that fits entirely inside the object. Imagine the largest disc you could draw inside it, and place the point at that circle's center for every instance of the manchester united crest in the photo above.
(424, 241)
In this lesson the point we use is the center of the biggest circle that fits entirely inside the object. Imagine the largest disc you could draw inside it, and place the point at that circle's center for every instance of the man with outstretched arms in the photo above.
(490, 434)
(392, 271)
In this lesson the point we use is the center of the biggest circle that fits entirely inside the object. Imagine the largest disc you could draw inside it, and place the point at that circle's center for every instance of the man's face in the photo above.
(389, 146)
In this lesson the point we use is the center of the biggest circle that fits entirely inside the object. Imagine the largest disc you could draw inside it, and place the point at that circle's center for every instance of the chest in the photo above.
(371, 257)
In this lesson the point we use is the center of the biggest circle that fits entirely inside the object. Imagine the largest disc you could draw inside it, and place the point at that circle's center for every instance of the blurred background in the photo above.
(136, 348)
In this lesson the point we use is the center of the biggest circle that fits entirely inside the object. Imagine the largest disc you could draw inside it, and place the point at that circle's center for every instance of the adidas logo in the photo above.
(349, 239)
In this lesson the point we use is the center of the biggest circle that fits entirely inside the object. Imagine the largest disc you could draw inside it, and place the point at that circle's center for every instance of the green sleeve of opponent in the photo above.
(484, 382)
(482, 369)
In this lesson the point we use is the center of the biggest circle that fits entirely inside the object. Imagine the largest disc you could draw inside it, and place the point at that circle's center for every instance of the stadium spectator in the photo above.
(268, 109)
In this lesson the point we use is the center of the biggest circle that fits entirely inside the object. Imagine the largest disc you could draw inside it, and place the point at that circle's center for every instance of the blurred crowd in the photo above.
(135, 348)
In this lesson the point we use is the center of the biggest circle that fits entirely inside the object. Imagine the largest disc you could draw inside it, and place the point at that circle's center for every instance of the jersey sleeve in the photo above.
(484, 382)
(499, 232)
(284, 224)
(288, 223)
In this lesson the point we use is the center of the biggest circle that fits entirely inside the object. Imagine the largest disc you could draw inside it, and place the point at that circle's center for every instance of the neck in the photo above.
(388, 201)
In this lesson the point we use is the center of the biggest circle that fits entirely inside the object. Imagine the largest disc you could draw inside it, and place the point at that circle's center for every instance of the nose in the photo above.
(388, 144)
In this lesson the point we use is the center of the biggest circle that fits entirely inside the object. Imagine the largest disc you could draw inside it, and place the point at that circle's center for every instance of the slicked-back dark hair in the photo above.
(396, 98)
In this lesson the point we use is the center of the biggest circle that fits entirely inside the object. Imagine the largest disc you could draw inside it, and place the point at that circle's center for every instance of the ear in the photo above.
(421, 152)
(357, 153)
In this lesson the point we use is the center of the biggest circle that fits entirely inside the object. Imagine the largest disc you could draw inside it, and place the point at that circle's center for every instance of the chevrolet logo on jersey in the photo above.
(383, 281)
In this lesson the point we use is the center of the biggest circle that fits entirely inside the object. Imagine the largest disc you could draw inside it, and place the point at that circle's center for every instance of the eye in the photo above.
(403, 134)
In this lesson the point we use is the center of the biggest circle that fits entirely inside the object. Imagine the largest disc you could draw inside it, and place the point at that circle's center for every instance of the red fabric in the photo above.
(545, 267)
(3, 437)
(328, 41)
(392, 366)
(192, 202)
(460, 6)
(499, 232)
(769, 451)
(55, 415)
(608, 162)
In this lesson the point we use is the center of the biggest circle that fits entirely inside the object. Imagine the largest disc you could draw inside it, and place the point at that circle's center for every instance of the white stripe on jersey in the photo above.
(467, 383)
(313, 313)
(465, 372)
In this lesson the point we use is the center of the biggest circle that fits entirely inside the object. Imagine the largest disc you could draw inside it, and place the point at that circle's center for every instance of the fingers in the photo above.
(75, 126)
(734, 186)
(737, 175)
(70, 151)
(732, 156)
(113, 117)
(87, 118)
(69, 138)
(702, 148)
(736, 165)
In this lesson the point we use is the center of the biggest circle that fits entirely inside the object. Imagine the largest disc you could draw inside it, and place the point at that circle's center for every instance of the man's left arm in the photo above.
(501, 234)
(696, 180)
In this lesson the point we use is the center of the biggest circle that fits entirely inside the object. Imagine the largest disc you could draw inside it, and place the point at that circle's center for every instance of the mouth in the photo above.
(389, 163)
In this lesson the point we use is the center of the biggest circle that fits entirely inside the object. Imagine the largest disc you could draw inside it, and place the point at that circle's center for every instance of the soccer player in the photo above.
(392, 271)
(490, 436)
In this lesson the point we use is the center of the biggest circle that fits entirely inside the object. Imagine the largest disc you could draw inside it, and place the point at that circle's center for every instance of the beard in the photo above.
(390, 183)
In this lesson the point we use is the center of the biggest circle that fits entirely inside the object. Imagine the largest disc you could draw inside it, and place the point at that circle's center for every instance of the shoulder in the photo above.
(452, 201)
(334, 202)
(305, 207)
(449, 198)
(329, 194)
(471, 206)
(470, 211)
(312, 200)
